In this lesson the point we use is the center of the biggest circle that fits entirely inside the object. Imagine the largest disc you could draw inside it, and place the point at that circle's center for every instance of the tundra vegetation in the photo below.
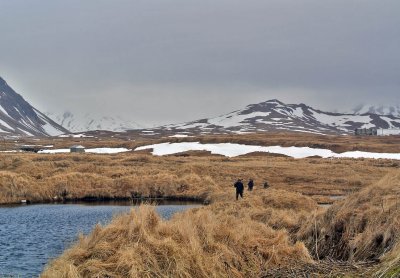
(279, 231)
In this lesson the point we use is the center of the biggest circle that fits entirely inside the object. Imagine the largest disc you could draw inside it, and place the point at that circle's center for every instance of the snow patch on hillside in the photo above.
(232, 150)
(343, 120)
(3, 123)
(3, 110)
(380, 110)
(235, 119)
(94, 150)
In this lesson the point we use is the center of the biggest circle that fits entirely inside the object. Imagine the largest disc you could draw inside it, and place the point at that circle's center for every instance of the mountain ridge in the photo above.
(76, 122)
(19, 118)
(393, 110)
(274, 115)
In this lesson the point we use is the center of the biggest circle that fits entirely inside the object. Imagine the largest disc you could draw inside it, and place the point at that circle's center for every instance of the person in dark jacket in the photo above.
(239, 188)
(250, 185)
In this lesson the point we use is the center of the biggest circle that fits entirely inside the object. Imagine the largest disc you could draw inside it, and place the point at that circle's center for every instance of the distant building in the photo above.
(388, 131)
(366, 131)
(77, 149)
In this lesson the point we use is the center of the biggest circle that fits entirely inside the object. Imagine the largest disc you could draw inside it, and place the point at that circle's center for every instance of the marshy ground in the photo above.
(282, 231)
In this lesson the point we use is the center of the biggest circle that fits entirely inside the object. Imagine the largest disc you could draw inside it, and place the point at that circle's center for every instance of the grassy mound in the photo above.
(363, 227)
(226, 239)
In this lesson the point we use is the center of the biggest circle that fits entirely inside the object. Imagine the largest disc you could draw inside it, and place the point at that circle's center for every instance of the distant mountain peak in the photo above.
(274, 115)
(393, 110)
(274, 101)
(269, 102)
(19, 118)
(82, 122)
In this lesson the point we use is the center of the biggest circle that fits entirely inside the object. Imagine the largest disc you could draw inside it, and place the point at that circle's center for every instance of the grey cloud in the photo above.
(160, 61)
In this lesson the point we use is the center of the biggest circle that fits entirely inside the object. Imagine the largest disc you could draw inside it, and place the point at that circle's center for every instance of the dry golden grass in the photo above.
(229, 239)
(249, 238)
(390, 266)
(42, 178)
(363, 227)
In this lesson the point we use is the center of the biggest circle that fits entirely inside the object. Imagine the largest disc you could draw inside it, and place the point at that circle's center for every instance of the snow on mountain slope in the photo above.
(89, 122)
(274, 115)
(19, 118)
(380, 110)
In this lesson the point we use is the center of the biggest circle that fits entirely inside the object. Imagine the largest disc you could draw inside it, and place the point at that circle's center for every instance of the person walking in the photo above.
(239, 188)
(250, 185)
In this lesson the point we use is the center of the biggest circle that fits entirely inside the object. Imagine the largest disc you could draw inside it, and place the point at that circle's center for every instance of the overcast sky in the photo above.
(158, 61)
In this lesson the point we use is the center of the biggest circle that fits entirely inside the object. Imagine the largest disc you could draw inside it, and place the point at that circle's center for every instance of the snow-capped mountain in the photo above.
(274, 115)
(89, 122)
(380, 110)
(19, 118)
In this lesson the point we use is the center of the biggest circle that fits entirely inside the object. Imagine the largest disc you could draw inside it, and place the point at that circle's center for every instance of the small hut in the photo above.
(77, 149)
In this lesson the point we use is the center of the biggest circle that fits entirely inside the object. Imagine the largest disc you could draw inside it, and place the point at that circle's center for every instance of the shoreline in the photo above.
(105, 200)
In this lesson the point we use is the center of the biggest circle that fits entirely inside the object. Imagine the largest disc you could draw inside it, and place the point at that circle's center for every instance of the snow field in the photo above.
(94, 150)
(232, 150)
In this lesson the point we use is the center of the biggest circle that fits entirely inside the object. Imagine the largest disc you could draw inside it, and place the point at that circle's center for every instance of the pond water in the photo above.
(31, 235)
